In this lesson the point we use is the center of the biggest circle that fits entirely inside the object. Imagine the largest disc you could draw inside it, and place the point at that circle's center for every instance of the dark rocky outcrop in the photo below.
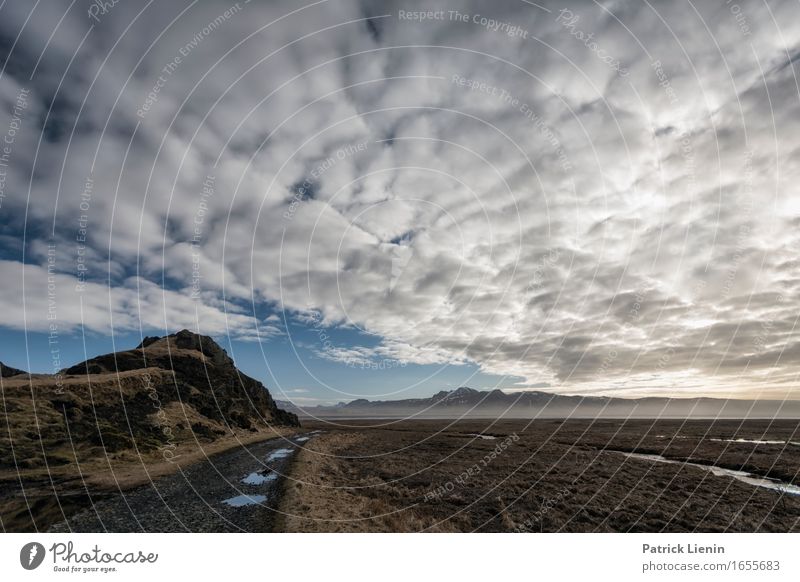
(182, 388)
(204, 377)
(8, 372)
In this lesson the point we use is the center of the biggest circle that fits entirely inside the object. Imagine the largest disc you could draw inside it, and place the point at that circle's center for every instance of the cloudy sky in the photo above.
(359, 199)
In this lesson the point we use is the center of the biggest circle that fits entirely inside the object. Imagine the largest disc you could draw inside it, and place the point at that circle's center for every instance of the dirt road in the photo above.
(234, 491)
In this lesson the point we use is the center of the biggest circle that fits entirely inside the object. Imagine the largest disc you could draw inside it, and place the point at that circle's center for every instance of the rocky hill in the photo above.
(7, 372)
(166, 391)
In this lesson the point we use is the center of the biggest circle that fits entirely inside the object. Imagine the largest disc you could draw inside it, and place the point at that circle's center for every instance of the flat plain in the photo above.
(437, 476)
(546, 476)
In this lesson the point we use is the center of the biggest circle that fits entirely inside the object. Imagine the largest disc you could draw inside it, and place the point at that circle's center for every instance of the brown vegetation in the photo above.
(120, 419)
(558, 476)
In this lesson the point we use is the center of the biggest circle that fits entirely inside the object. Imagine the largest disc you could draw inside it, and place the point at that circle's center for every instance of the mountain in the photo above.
(8, 372)
(182, 388)
(468, 402)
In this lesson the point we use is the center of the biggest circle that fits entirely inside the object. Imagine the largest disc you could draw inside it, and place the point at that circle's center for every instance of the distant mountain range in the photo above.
(496, 403)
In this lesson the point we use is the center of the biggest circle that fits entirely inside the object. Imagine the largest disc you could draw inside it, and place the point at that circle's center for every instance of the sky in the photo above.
(388, 199)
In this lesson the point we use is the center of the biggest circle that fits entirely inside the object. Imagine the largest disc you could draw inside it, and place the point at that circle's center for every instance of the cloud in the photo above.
(38, 299)
(556, 218)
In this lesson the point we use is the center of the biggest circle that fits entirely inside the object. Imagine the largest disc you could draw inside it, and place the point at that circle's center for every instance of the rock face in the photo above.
(205, 377)
(7, 372)
(182, 388)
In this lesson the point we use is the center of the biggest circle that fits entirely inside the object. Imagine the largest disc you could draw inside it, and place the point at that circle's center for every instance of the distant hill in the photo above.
(7, 372)
(166, 391)
(468, 402)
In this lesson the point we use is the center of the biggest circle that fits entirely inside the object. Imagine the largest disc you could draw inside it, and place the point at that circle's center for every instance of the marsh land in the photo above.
(454, 476)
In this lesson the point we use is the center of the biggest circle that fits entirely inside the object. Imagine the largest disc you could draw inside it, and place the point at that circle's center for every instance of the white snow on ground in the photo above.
(242, 500)
(259, 478)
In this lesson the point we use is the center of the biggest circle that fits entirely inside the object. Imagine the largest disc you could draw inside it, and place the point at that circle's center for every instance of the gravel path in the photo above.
(233, 491)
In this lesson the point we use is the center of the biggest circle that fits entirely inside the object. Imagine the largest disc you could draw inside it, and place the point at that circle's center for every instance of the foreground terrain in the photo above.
(410, 476)
(171, 436)
(546, 476)
(234, 491)
(120, 420)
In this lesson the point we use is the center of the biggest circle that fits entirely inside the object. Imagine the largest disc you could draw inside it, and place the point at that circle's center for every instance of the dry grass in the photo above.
(319, 498)
(555, 477)
(120, 420)
(57, 448)
(44, 499)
